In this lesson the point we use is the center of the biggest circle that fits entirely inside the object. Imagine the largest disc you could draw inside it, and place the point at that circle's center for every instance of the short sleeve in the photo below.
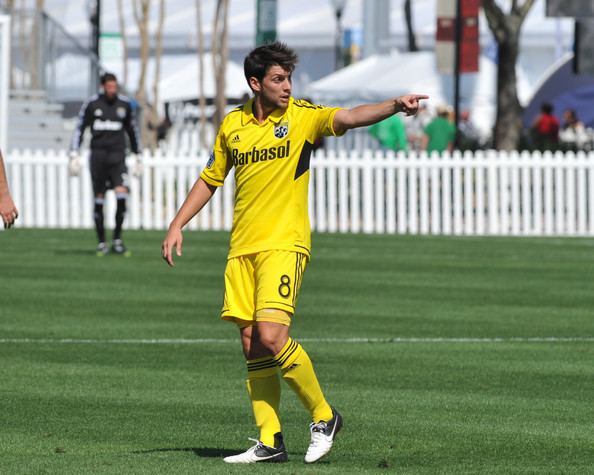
(219, 163)
(324, 120)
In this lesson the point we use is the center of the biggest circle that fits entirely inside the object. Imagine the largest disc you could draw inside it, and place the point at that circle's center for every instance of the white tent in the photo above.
(179, 77)
(341, 85)
(381, 77)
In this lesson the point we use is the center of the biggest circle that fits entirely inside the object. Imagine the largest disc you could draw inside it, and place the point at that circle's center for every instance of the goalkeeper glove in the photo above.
(74, 164)
(137, 166)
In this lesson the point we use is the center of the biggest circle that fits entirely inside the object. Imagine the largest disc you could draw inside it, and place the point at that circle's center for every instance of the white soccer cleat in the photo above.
(322, 437)
(262, 453)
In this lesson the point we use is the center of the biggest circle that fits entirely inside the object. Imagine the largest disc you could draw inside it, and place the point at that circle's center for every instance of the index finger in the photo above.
(167, 253)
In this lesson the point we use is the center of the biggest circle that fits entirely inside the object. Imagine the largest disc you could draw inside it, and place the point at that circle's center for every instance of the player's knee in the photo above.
(268, 342)
(272, 342)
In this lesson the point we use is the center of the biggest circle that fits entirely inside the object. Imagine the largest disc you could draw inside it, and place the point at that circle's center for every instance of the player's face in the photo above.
(275, 87)
(110, 88)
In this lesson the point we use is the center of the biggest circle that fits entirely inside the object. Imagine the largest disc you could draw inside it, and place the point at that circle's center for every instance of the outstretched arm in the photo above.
(368, 114)
(8, 210)
(199, 195)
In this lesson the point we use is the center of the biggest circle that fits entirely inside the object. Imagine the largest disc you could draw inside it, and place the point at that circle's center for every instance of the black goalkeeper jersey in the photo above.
(109, 121)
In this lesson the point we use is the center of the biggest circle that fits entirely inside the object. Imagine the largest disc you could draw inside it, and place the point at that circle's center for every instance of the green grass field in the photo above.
(117, 404)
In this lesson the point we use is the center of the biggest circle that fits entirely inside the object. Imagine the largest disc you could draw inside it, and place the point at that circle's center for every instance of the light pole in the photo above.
(338, 9)
(94, 11)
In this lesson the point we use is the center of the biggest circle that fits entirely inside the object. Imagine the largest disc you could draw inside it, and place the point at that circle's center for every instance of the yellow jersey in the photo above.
(271, 163)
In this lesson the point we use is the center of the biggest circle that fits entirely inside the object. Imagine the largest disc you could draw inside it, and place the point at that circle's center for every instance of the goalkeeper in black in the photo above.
(110, 117)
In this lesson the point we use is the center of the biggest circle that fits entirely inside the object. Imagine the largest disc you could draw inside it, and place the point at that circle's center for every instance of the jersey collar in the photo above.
(247, 114)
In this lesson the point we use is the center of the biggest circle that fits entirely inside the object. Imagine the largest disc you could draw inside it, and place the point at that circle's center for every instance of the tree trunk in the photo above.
(141, 15)
(122, 24)
(508, 123)
(220, 54)
(36, 44)
(506, 29)
(10, 9)
(158, 55)
(410, 31)
(201, 96)
(23, 44)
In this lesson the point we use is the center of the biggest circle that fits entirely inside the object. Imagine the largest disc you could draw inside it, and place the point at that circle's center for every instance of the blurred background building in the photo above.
(53, 64)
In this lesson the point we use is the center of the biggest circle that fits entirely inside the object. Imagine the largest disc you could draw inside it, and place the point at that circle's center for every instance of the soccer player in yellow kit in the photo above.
(268, 141)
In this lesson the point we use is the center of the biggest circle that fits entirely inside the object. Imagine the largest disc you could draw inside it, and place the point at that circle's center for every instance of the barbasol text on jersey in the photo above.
(255, 155)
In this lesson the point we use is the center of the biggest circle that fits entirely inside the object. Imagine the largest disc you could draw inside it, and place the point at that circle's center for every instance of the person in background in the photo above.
(573, 135)
(545, 129)
(111, 117)
(415, 127)
(440, 133)
(8, 210)
(390, 133)
(469, 137)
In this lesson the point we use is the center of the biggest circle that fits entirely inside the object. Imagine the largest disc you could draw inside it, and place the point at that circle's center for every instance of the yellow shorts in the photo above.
(266, 280)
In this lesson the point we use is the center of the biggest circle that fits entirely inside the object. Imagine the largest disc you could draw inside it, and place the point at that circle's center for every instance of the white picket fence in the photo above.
(493, 193)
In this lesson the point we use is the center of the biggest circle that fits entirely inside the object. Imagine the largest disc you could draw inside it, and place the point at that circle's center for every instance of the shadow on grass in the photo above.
(198, 451)
(75, 252)
(206, 452)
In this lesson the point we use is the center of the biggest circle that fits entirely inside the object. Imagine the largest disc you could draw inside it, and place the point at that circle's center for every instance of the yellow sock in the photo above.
(298, 372)
(263, 385)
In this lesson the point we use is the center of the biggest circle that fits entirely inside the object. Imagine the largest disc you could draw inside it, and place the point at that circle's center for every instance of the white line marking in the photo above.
(201, 341)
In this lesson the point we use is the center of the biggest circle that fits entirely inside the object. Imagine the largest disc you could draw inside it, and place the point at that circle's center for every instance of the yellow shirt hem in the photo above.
(243, 251)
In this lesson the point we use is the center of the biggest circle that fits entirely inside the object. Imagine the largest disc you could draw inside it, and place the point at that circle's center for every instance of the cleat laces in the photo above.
(318, 432)
(255, 447)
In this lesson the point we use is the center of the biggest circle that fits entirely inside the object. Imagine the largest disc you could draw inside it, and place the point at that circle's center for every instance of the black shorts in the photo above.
(108, 170)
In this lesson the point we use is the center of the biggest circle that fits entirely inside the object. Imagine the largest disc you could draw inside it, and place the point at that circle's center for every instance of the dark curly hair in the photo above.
(260, 59)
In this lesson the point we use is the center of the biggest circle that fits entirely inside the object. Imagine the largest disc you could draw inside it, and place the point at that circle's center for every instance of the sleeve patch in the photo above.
(211, 160)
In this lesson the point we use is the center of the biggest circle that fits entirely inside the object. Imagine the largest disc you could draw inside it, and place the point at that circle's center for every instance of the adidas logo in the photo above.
(235, 139)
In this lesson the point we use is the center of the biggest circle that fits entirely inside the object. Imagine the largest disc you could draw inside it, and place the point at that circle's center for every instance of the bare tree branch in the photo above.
(135, 10)
(506, 29)
(201, 96)
(122, 24)
(220, 53)
(410, 32)
(141, 15)
(10, 8)
(158, 51)
(525, 8)
(495, 19)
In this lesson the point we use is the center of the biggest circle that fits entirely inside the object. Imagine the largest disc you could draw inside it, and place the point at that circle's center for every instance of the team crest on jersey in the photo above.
(211, 160)
(121, 112)
(281, 130)
(98, 112)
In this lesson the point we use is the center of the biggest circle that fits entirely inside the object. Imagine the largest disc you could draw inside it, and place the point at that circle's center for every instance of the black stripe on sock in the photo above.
(282, 363)
(260, 363)
(272, 364)
(289, 350)
(284, 359)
